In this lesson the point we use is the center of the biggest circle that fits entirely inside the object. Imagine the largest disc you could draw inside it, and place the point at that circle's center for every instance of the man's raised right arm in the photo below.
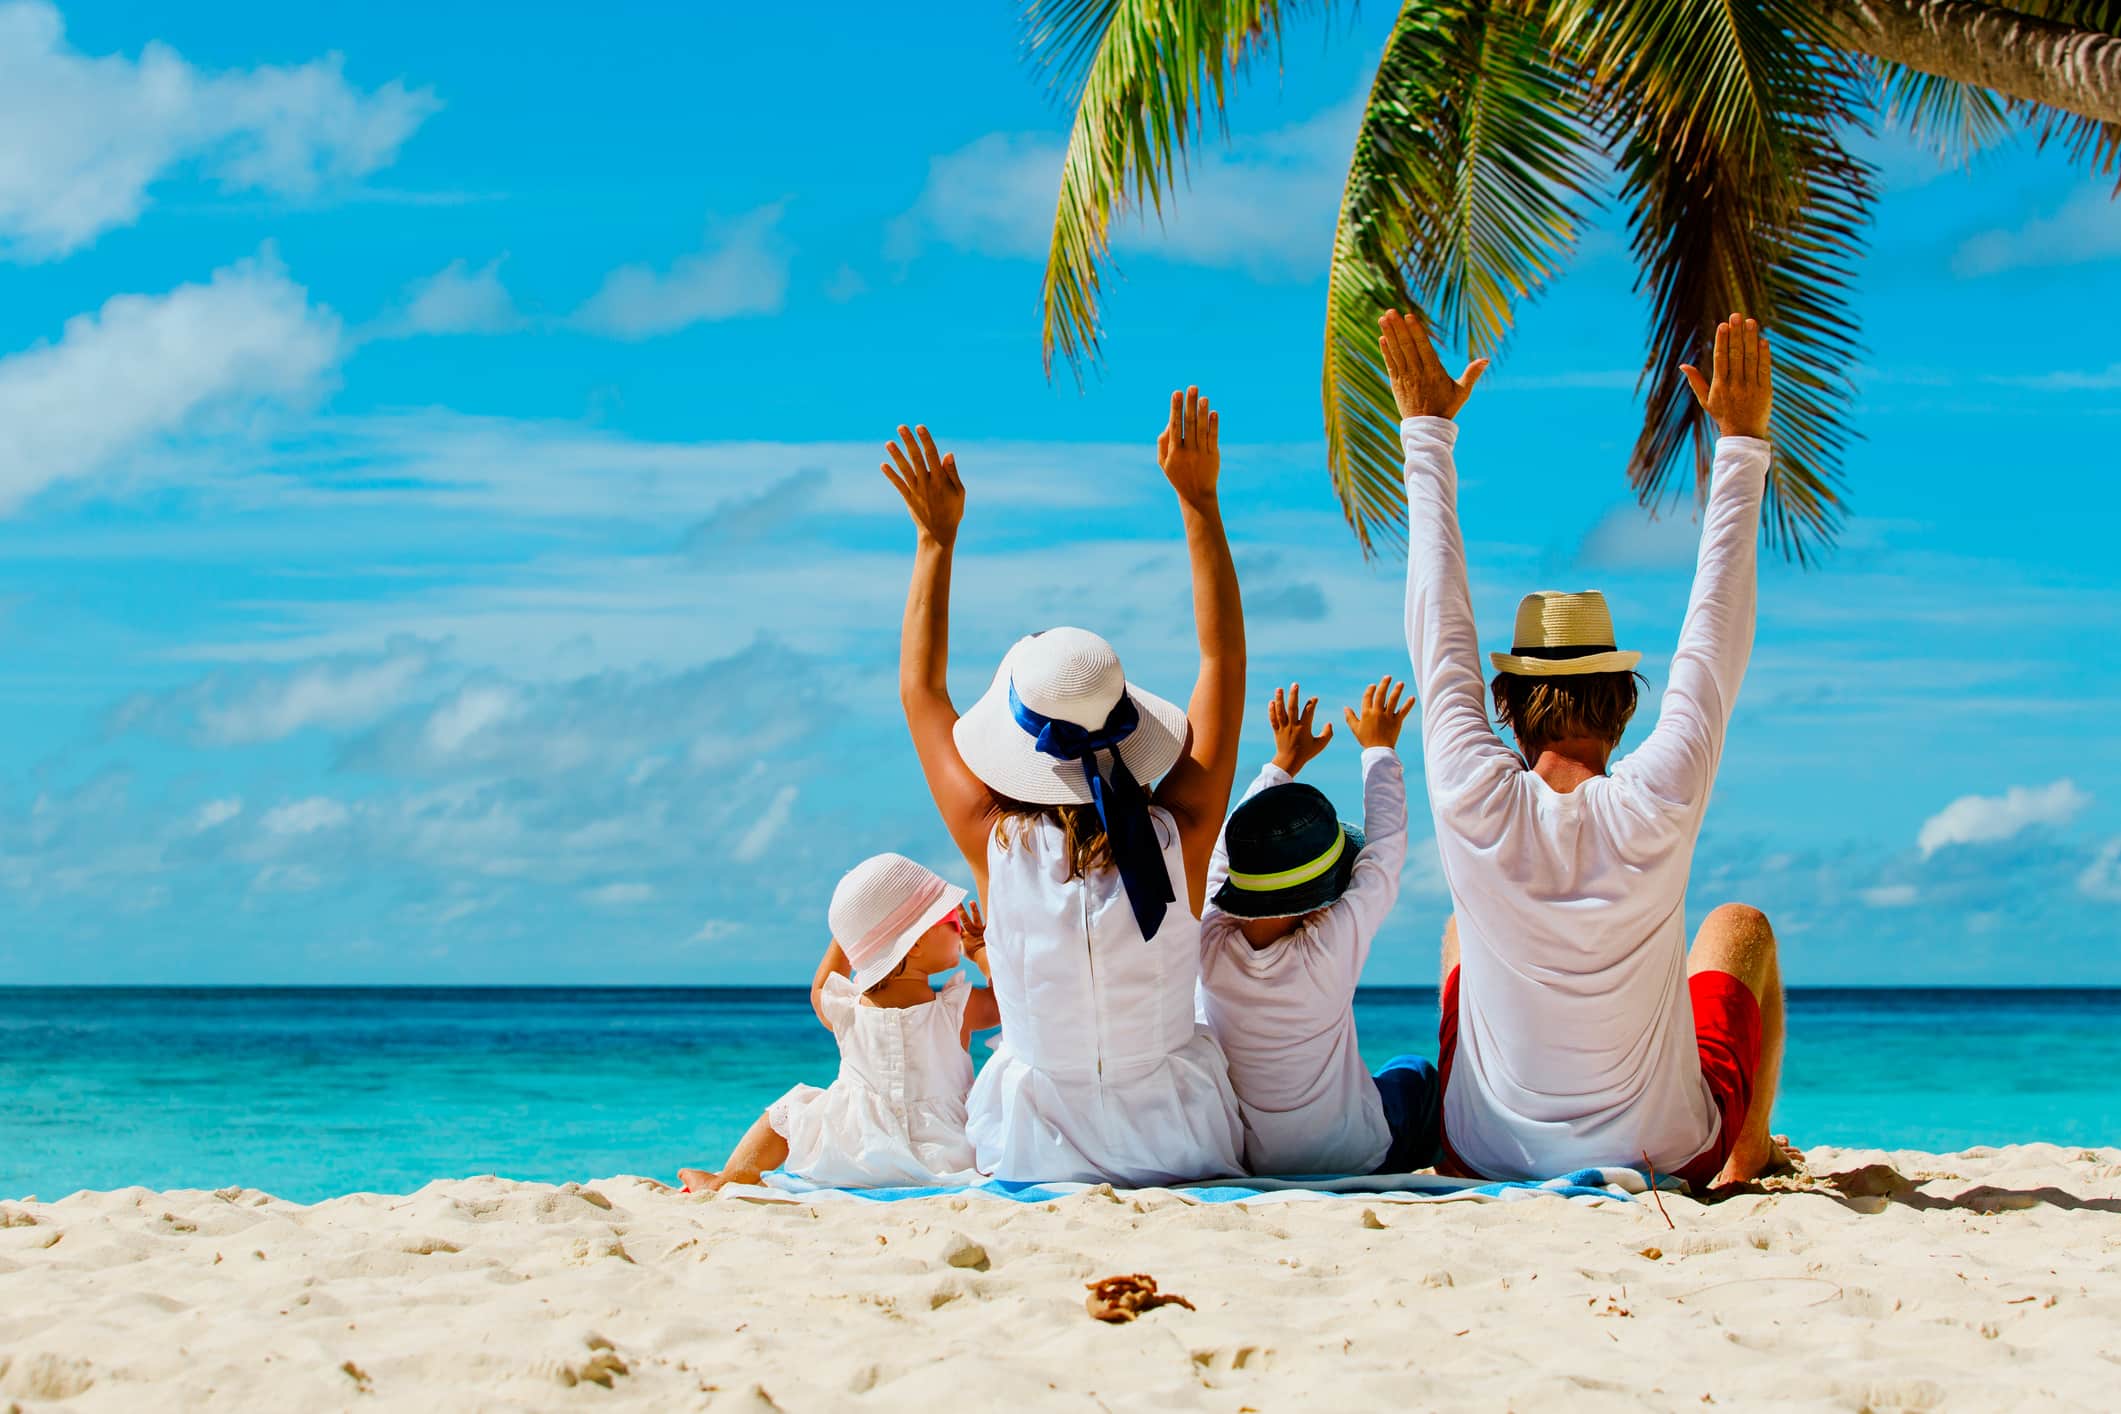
(1456, 741)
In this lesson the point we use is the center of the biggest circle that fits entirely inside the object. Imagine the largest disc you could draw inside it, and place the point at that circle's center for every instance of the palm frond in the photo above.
(1467, 182)
(1741, 196)
(1142, 75)
(1958, 120)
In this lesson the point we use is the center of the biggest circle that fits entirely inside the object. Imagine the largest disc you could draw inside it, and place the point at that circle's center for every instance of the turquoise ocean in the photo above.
(311, 1092)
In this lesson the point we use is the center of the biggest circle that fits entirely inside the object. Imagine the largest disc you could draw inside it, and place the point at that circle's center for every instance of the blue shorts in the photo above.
(1413, 1099)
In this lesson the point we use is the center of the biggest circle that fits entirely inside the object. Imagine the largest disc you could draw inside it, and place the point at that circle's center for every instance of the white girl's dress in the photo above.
(1102, 1072)
(895, 1117)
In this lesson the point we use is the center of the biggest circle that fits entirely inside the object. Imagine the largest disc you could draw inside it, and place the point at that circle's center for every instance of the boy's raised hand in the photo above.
(1294, 742)
(929, 483)
(1382, 715)
(1740, 393)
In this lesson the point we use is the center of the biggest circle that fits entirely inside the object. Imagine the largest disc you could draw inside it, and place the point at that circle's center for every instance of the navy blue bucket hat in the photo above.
(1289, 854)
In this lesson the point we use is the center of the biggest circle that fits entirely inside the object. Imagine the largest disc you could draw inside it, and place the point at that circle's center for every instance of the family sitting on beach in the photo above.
(1175, 991)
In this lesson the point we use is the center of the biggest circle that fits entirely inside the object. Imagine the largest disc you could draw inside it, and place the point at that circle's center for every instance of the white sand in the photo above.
(1985, 1280)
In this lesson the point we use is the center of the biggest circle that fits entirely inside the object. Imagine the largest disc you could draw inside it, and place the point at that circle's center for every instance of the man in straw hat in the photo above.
(1584, 1032)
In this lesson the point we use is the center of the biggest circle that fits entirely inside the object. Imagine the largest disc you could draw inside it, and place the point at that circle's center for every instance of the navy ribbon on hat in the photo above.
(1122, 804)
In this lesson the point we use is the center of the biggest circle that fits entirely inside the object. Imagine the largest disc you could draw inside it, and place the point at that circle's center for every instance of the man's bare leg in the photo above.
(1738, 940)
(759, 1150)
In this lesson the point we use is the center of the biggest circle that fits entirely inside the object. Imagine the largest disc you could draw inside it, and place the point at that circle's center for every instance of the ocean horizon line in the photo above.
(802, 989)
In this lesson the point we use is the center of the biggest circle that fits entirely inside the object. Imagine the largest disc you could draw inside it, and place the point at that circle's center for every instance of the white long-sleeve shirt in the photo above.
(1284, 1014)
(1575, 1029)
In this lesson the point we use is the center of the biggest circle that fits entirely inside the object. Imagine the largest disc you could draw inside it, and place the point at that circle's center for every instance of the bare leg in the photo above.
(1738, 940)
(1450, 949)
(759, 1150)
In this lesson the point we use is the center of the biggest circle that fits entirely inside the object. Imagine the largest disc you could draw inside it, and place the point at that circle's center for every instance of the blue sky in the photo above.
(440, 537)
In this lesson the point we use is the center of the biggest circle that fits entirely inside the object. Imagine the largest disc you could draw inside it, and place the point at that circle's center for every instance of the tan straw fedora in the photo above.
(1563, 635)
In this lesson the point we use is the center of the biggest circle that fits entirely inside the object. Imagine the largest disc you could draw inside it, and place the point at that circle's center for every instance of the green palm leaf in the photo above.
(1143, 75)
(1741, 196)
(1467, 182)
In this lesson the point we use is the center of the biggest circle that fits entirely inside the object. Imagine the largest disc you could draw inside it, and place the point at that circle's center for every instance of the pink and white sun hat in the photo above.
(1068, 676)
(880, 909)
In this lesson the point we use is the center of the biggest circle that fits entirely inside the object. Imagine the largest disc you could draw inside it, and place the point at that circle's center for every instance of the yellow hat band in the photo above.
(1290, 878)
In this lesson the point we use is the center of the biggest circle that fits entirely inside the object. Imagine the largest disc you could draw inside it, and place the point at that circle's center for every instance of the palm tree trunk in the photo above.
(2017, 55)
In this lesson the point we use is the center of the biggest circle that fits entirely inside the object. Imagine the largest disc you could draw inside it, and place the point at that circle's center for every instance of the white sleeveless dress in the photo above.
(895, 1117)
(1102, 1071)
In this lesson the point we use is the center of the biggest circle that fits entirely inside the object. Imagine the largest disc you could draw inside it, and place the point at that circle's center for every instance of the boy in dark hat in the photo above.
(1295, 898)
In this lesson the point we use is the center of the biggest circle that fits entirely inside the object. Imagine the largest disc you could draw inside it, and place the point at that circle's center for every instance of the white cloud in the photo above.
(2101, 878)
(993, 196)
(215, 813)
(459, 300)
(714, 930)
(324, 695)
(472, 711)
(1265, 204)
(148, 367)
(305, 817)
(1889, 896)
(754, 842)
(2084, 229)
(742, 270)
(1985, 819)
(622, 895)
(83, 138)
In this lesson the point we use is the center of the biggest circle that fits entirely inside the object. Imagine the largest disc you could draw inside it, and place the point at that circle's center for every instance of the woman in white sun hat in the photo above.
(895, 1117)
(1088, 810)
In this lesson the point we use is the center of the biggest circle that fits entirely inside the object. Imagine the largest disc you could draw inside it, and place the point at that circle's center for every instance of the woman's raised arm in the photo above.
(1197, 790)
(936, 499)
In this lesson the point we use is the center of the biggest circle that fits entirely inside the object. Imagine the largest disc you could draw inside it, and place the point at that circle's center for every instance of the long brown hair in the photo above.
(1082, 836)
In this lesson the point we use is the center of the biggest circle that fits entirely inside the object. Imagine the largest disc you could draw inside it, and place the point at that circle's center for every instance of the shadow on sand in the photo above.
(1874, 1187)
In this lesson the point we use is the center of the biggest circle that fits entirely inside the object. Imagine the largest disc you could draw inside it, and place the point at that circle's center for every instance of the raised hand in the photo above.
(1741, 395)
(1294, 743)
(928, 481)
(1382, 715)
(1189, 450)
(1419, 384)
(971, 925)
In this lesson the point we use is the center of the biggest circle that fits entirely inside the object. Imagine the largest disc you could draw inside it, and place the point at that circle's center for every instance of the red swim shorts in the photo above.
(1726, 1034)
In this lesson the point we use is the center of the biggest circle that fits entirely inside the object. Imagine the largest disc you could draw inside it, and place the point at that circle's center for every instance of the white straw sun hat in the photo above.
(880, 909)
(1563, 635)
(1066, 675)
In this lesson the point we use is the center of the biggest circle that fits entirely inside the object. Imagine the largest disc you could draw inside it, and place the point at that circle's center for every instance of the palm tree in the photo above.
(1493, 130)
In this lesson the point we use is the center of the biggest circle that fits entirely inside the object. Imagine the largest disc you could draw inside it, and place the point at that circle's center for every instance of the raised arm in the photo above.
(1459, 747)
(1351, 924)
(935, 497)
(1197, 790)
(833, 964)
(1677, 763)
(1295, 744)
(982, 1012)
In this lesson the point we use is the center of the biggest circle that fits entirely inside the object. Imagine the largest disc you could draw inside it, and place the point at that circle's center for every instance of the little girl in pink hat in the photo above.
(895, 1117)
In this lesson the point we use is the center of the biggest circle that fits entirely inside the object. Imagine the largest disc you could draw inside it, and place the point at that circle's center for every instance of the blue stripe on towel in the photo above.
(1590, 1184)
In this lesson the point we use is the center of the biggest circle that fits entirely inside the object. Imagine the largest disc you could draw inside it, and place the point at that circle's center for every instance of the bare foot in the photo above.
(1752, 1157)
(698, 1180)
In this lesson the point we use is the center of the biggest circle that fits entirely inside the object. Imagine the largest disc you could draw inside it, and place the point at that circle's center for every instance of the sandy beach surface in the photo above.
(1878, 1281)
